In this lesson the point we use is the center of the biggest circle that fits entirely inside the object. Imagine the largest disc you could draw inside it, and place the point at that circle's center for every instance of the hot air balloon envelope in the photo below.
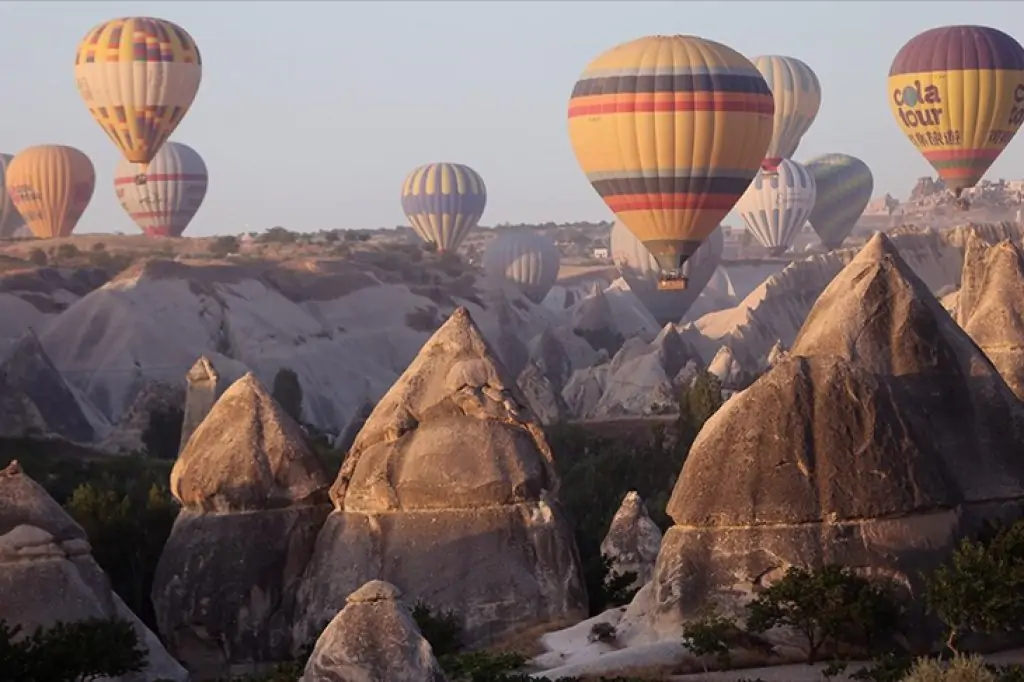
(173, 189)
(138, 76)
(957, 93)
(776, 205)
(443, 202)
(843, 186)
(797, 94)
(10, 219)
(670, 130)
(51, 186)
(525, 257)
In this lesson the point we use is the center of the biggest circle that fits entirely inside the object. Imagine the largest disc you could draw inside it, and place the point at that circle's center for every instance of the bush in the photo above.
(287, 391)
(162, 436)
(982, 589)
(67, 251)
(70, 652)
(38, 257)
(443, 631)
(708, 636)
(697, 403)
(222, 246)
(831, 605)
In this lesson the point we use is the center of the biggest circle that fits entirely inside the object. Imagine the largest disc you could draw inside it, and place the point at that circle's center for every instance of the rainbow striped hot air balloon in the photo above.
(957, 93)
(843, 186)
(797, 94)
(443, 202)
(670, 131)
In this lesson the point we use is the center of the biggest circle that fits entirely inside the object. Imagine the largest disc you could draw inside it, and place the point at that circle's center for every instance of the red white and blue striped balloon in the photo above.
(163, 199)
(443, 202)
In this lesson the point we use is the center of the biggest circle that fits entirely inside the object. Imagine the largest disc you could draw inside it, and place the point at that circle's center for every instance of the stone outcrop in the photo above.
(34, 398)
(253, 497)
(153, 411)
(991, 306)
(450, 493)
(594, 321)
(205, 386)
(47, 573)
(633, 540)
(882, 437)
(543, 399)
(373, 639)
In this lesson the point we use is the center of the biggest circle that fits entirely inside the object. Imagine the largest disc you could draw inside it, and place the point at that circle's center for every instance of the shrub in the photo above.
(708, 636)
(163, 433)
(698, 402)
(38, 257)
(982, 589)
(67, 251)
(287, 391)
(222, 246)
(70, 652)
(443, 631)
(831, 605)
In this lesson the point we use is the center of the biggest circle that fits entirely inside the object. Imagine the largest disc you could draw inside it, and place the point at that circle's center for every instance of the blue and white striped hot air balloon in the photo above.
(443, 202)
(526, 258)
(776, 205)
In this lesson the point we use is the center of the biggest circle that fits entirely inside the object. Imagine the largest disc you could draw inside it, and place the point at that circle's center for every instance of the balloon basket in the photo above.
(674, 284)
(140, 179)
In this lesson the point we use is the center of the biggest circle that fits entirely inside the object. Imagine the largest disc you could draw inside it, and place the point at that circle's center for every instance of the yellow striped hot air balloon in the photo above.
(138, 76)
(51, 186)
(670, 131)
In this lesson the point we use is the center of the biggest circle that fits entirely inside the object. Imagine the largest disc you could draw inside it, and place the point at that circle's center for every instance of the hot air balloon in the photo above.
(641, 272)
(10, 219)
(443, 202)
(175, 185)
(842, 187)
(776, 205)
(670, 130)
(957, 92)
(138, 76)
(51, 185)
(797, 95)
(526, 258)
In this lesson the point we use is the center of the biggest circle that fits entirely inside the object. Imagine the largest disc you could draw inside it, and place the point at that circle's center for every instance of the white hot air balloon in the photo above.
(174, 187)
(526, 258)
(776, 205)
(642, 273)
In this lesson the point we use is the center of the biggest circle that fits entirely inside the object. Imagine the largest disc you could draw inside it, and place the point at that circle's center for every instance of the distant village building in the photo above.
(600, 252)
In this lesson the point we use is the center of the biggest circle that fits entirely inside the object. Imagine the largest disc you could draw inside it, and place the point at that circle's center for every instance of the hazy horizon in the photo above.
(310, 114)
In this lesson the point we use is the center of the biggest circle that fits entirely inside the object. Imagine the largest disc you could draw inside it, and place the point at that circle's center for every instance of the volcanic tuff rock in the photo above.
(991, 306)
(633, 540)
(153, 411)
(223, 600)
(373, 639)
(883, 436)
(206, 381)
(34, 398)
(450, 493)
(47, 573)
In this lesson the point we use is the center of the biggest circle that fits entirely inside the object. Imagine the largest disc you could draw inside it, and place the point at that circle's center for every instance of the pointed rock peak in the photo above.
(23, 502)
(202, 370)
(594, 312)
(776, 355)
(878, 313)
(375, 590)
(247, 455)
(455, 409)
(27, 349)
(972, 275)
(631, 508)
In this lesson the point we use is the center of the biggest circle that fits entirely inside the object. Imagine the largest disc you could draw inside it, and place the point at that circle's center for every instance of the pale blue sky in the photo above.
(310, 114)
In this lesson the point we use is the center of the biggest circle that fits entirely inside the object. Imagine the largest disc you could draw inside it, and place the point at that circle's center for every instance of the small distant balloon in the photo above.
(51, 186)
(843, 186)
(138, 76)
(10, 219)
(526, 258)
(443, 202)
(174, 188)
(797, 94)
(670, 130)
(776, 205)
(957, 93)
(641, 271)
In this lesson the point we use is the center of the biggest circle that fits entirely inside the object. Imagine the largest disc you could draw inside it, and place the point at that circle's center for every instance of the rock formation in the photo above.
(373, 639)
(155, 410)
(205, 386)
(991, 307)
(47, 573)
(594, 321)
(633, 540)
(881, 438)
(726, 367)
(35, 399)
(253, 497)
(542, 398)
(450, 493)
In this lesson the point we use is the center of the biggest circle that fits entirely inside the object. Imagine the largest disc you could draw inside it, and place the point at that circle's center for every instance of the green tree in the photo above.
(222, 246)
(127, 533)
(831, 605)
(67, 251)
(698, 402)
(163, 433)
(982, 589)
(38, 257)
(287, 391)
(70, 652)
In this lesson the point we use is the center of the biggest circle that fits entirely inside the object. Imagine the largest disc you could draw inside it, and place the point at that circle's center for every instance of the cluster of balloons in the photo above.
(957, 92)
(138, 76)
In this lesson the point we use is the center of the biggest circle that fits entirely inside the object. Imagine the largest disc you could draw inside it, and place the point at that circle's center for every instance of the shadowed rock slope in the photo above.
(253, 497)
(880, 438)
(449, 492)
